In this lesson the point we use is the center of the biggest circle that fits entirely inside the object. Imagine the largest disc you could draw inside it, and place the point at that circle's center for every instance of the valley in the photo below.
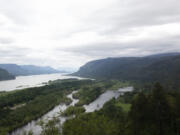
(112, 104)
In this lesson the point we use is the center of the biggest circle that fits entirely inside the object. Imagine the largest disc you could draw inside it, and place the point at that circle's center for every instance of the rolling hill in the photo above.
(18, 70)
(4, 75)
(164, 68)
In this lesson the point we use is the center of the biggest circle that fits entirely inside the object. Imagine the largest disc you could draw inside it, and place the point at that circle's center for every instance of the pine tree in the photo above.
(160, 110)
(138, 114)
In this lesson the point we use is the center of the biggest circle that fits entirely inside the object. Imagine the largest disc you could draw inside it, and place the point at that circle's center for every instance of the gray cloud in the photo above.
(140, 48)
(125, 15)
(13, 52)
(68, 34)
(6, 40)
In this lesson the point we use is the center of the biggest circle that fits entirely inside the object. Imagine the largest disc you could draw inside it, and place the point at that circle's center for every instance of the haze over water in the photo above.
(30, 81)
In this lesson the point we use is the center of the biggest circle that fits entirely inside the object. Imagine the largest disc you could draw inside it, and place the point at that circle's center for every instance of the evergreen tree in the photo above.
(138, 114)
(160, 110)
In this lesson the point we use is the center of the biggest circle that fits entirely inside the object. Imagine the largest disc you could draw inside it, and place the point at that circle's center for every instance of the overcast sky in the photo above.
(69, 33)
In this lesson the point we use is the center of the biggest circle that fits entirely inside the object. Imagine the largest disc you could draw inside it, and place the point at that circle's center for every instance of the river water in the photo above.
(33, 125)
(95, 105)
(22, 82)
(103, 98)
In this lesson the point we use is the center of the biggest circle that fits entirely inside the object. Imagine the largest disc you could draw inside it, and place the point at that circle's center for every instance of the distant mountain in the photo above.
(18, 70)
(35, 70)
(13, 69)
(4, 75)
(164, 68)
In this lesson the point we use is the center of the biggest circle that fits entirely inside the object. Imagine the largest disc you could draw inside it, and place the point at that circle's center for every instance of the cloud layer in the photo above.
(70, 33)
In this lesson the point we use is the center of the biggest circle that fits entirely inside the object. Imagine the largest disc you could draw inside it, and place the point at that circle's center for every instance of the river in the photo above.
(103, 98)
(95, 105)
(22, 82)
(33, 126)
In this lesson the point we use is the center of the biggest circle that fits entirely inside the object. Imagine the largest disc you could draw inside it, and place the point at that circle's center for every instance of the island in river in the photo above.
(21, 82)
(106, 112)
(40, 100)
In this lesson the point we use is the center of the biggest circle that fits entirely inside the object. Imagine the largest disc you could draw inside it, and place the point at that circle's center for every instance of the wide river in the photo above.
(22, 82)
(40, 80)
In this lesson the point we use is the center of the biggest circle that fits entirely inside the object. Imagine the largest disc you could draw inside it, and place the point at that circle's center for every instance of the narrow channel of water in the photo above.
(33, 126)
(103, 98)
(95, 105)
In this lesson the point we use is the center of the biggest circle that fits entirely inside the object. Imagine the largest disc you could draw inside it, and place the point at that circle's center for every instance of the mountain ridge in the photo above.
(5, 75)
(164, 68)
(19, 70)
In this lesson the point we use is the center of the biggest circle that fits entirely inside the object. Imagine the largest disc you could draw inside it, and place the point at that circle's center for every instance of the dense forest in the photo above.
(153, 113)
(21, 106)
(164, 68)
(151, 109)
(4, 75)
(89, 67)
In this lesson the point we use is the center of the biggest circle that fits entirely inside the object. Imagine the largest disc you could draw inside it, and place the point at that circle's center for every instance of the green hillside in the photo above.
(4, 75)
(161, 68)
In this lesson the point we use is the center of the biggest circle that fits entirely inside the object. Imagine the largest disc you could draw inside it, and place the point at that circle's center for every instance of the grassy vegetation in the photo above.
(89, 93)
(134, 113)
(109, 120)
(125, 107)
(51, 128)
(73, 110)
(34, 102)
(153, 113)
(119, 84)
(124, 101)
(37, 102)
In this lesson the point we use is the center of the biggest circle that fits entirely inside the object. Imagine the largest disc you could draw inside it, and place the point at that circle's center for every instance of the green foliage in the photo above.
(110, 120)
(155, 113)
(89, 93)
(164, 69)
(125, 107)
(51, 128)
(38, 101)
(90, 124)
(73, 110)
(27, 133)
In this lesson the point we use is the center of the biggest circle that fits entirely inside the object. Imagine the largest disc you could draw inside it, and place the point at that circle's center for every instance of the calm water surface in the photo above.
(31, 81)
(103, 98)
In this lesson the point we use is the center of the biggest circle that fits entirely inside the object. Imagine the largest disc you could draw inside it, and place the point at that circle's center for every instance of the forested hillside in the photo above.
(134, 113)
(27, 69)
(4, 75)
(31, 69)
(164, 68)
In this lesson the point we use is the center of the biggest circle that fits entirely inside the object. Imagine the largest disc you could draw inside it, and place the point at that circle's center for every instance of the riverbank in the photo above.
(35, 125)
(38, 101)
(62, 112)
(81, 114)
(22, 82)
